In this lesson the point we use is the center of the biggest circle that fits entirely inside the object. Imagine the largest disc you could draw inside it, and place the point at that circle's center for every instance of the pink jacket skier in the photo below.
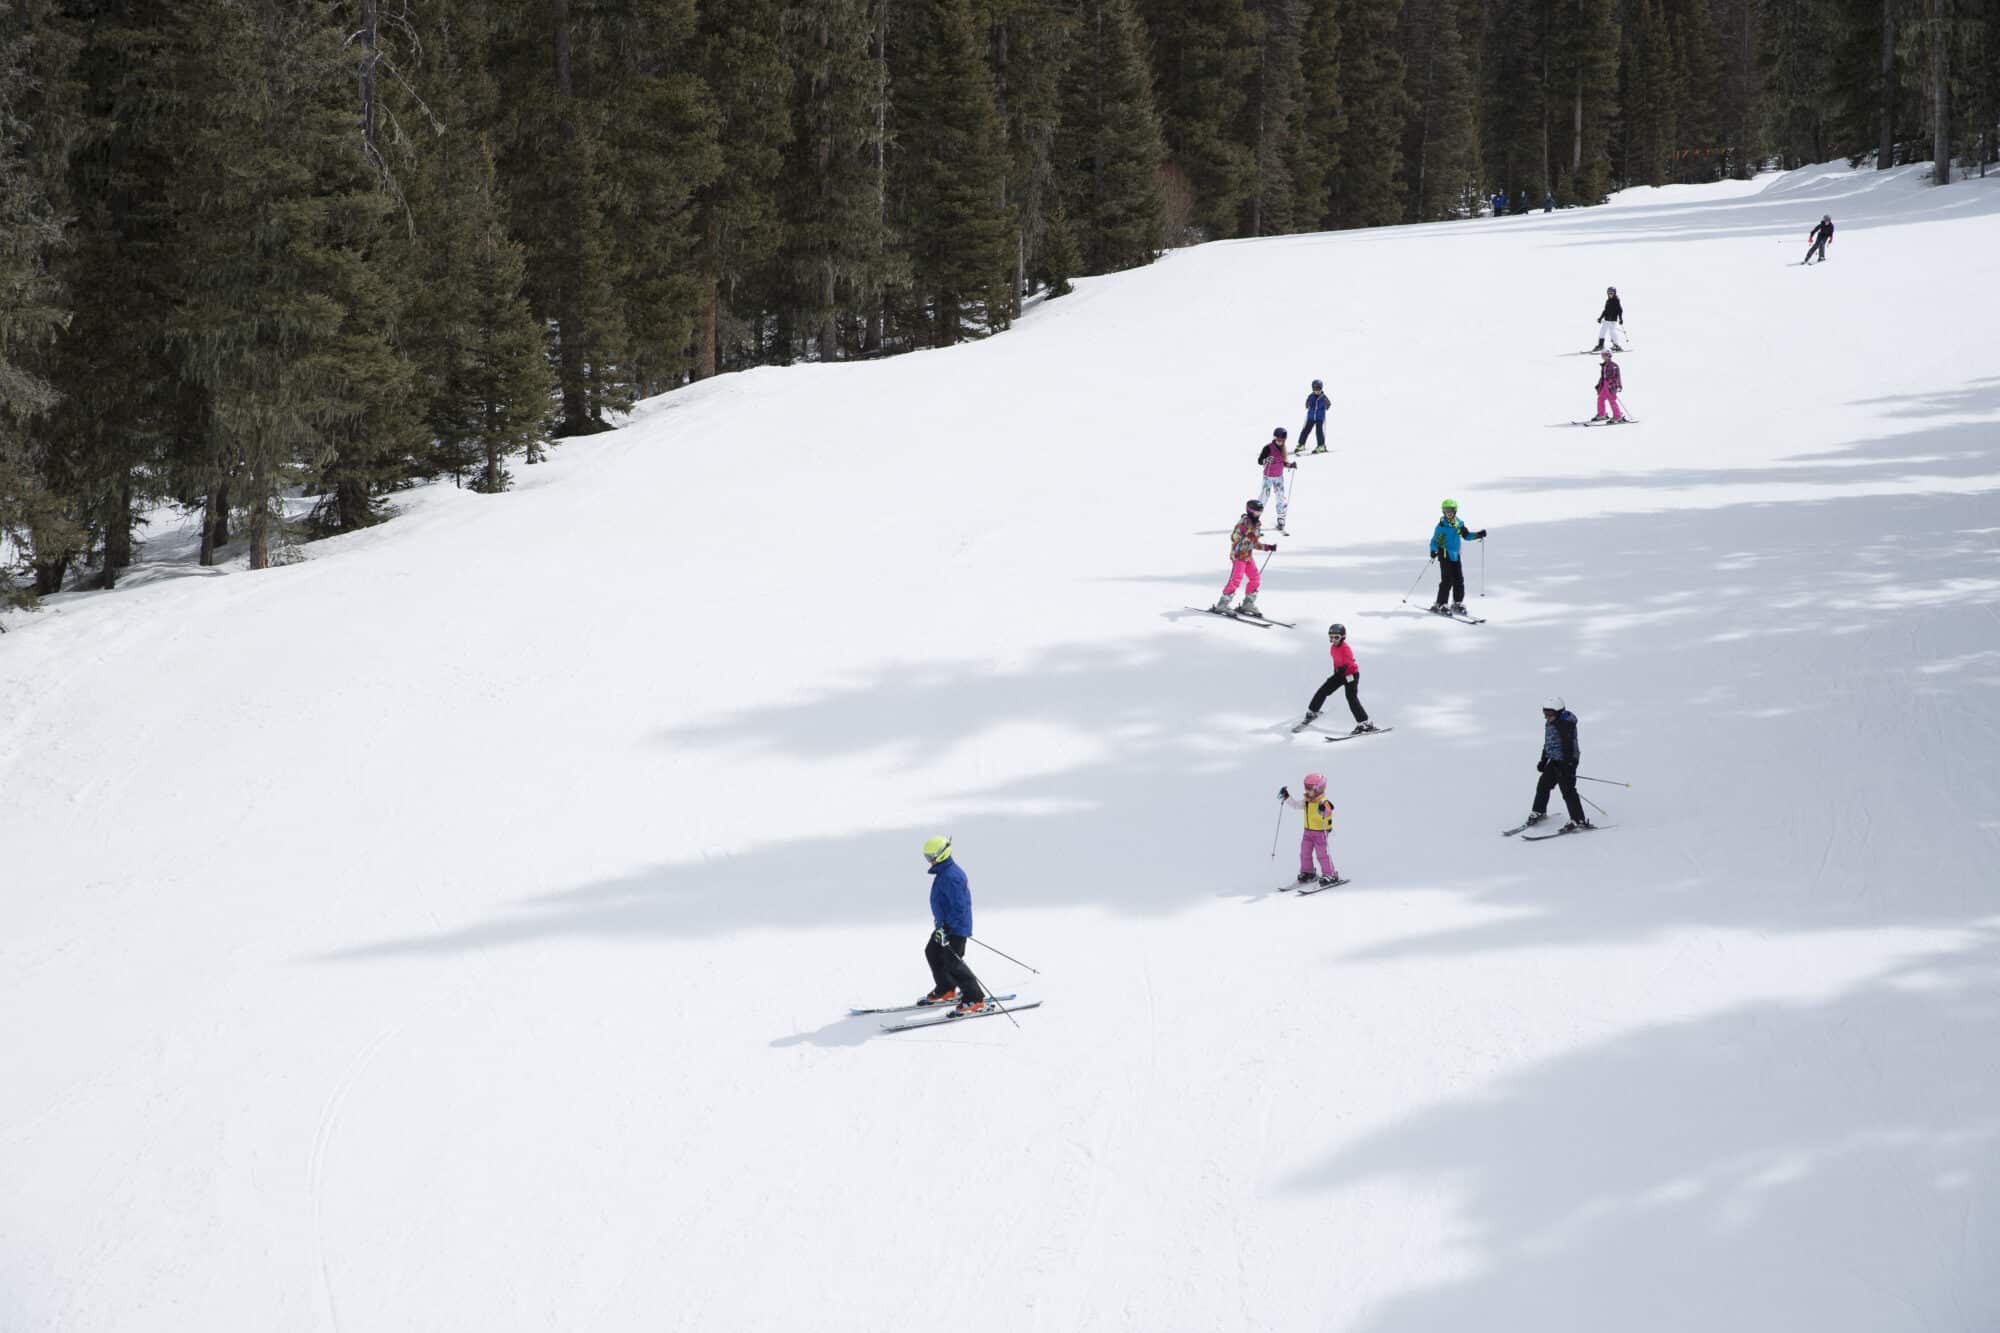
(1609, 382)
(1272, 456)
(1243, 548)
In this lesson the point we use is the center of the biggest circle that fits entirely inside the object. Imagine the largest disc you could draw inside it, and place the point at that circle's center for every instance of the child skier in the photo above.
(1611, 322)
(1346, 675)
(1319, 823)
(1243, 548)
(1560, 755)
(951, 927)
(1445, 540)
(1821, 237)
(1272, 457)
(1609, 382)
(1316, 405)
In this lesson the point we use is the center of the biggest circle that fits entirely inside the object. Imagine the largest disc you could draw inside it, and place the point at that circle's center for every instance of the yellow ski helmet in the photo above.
(937, 849)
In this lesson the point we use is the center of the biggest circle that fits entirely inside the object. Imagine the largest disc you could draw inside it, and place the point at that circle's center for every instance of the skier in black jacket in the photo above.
(1560, 755)
(1611, 323)
(1821, 235)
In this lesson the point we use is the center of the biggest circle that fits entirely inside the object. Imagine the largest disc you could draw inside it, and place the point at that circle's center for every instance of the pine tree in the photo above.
(1441, 145)
(1031, 45)
(1274, 115)
(740, 221)
(948, 169)
(1323, 124)
(1651, 97)
(1204, 53)
(31, 309)
(1368, 183)
(1108, 146)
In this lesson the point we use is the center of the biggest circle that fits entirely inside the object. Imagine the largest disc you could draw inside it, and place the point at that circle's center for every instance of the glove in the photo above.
(1541, 763)
(1481, 534)
(1434, 554)
(939, 936)
(1284, 793)
(1291, 465)
(1267, 548)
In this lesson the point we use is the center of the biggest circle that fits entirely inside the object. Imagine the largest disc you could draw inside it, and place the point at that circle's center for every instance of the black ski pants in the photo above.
(1310, 428)
(1818, 248)
(948, 967)
(1557, 773)
(1339, 680)
(1451, 579)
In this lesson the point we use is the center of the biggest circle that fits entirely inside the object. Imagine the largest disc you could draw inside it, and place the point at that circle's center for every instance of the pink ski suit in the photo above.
(1609, 382)
(1243, 548)
(1319, 824)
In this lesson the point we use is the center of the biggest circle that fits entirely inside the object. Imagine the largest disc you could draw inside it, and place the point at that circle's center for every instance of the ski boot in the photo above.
(1458, 608)
(1249, 607)
(965, 1007)
(1222, 607)
(1362, 728)
(1322, 449)
(939, 997)
(1534, 817)
(1305, 877)
(1328, 881)
(1312, 715)
(1440, 610)
(1577, 826)
(1281, 529)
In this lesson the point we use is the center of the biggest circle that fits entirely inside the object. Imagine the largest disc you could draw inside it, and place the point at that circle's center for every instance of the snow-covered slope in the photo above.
(454, 931)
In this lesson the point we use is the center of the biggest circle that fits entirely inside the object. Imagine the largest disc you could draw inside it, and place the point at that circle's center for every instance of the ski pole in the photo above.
(1277, 828)
(1594, 805)
(1609, 782)
(1414, 582)
(1008, 956)
(988, 993)
(1482, 566)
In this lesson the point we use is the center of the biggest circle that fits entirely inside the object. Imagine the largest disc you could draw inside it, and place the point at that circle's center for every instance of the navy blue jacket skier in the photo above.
(1561, 753)
(1316, 405)
(951, 927)
(1821, 237)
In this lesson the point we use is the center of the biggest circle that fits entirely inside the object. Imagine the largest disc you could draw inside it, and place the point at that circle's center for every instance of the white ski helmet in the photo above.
(1553, 704)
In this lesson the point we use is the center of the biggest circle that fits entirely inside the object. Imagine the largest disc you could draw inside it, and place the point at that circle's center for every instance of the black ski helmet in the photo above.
(1279, 433)
(1336, 628)
(1318, 385)
(1253, 507)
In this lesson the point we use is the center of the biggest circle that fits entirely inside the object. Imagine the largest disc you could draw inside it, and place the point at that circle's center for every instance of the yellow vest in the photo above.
(1319, 815)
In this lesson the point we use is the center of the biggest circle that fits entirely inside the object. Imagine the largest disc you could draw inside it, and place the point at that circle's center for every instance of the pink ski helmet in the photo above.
(1315, 782)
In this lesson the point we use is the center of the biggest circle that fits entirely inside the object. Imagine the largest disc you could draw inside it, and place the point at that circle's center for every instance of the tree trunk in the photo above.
(1940, 97)
(260, 535)
(1885, 153)
(215, 522)
(49, 575)
(117, 535)
(705, 358)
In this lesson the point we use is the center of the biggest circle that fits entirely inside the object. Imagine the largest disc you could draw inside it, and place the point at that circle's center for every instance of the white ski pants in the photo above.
(1607, 332)
(1274, 484)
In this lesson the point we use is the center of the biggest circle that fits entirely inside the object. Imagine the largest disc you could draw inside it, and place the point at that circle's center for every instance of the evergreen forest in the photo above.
(314, 251)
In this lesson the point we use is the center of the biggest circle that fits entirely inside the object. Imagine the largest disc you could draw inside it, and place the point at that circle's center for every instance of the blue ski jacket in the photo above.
(1447, 536)
(1316, 405)
(1559, 743)
(951, 898)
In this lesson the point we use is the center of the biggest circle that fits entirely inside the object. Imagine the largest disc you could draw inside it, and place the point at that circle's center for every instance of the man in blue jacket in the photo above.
(951, 927)
(1560, 755)
(1445, 548)
(1316, 405)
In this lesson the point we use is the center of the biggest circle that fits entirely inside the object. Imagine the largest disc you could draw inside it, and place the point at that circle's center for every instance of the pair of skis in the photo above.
(1621, 421)
(1261, 622)
(1467, 618)
(1344, 736)
(1544, 837)
(1311, 887)
(992, 1010)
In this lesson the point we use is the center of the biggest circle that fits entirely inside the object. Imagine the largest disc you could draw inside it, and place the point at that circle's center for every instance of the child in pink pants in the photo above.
(1319, 825)
(1609, 382)
(1243, 548)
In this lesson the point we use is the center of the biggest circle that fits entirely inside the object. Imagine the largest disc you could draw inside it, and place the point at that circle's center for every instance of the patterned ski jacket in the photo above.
(1609, 378)
(1243, 538)
(1559, 743)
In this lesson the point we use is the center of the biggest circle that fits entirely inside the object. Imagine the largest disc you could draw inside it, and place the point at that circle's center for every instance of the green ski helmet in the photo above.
(1450, 506)
(937, 849)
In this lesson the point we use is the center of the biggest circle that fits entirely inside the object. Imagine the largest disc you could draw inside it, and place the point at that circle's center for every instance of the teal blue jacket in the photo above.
(1449, 533)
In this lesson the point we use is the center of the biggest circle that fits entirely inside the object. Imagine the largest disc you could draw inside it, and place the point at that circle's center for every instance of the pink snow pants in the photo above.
(1607, 396)
(1238, 571)
(1314, 845)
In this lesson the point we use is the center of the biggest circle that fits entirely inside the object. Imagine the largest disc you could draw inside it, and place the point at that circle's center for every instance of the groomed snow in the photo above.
(454, 931)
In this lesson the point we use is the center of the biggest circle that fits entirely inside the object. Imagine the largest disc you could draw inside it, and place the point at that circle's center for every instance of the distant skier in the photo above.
(1609, 384)
(1560, 755)
(1548, 201)
(1821, 237)
(1445, 547)
(951, 927)
(1243, 548)
(1319, 823)
(1611, 323)
(1272, 458)
(1346, 676)
(1316, 405)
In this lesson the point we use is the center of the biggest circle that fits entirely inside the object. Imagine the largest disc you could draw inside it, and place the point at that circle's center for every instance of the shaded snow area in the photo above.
(455, 930)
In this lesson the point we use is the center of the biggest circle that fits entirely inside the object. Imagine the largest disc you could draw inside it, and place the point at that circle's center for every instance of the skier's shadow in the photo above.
(854, 1031)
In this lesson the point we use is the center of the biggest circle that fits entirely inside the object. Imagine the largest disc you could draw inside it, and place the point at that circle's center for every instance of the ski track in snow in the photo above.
(451, 931)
